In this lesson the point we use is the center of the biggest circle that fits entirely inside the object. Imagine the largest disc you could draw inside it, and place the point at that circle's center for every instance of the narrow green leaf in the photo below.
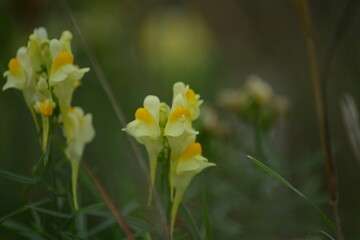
(138, 224)
(16, 226)
(207, 222)
(37, 221)
(71, 236)
(91, 208)
(326, 234)
(16, 177)
(190, 222)
(286, 183)
(50, 212)
(104, 225)
(23, 209)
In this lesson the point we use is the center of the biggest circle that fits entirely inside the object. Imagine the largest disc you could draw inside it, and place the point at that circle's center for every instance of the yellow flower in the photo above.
(146, 130)
(64, 75)
(20, 72)
(79, 131)
(39, 49)
(191, 99)
(45, 108)
(180, 119)
(146, 127)
(190, 163)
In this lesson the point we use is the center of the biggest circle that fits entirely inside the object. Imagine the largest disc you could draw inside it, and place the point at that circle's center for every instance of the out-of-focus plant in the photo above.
(168, 136)
(255, 102)
(176, 44)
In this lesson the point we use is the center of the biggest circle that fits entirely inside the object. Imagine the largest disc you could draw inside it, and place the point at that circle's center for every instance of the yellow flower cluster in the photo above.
(155, 122)
(45, 73)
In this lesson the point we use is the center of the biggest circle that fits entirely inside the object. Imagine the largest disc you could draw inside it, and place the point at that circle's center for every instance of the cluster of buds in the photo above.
(160, 127)
(45, 73)
(256, 102)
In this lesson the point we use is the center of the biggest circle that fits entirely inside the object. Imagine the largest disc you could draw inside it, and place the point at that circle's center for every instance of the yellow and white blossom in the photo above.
(191, 99)
(64, 76)
(179, 132)
(189, 164)
(146, 130)
(160, 129)
(20, 72)
(180, 119)
(39, 50)
(79, 132)
(45, 108)
(146, 127)
(45, 72)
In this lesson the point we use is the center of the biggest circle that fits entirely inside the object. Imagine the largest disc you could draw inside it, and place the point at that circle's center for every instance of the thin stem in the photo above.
(110, 203)
(303, 11)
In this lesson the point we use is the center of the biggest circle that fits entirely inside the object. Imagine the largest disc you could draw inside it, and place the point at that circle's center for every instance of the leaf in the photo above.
(351, 121)
(190, 222)
(16, 177)
(326, 234)
(16, 226)
(71, 236)
(286, 183)
(50, 212)
(104, 225)
(92, 208)
(138, 224)
(23, 209)
(207, 222)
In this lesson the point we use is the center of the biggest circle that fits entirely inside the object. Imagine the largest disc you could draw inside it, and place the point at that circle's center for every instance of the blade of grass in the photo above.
(190, 222)
(23, 209)
(286, 183)
(50, 212)
(104, 225)
(351, 122)
(91, 208)
(326, 234)
(16, 177)
(206, 218)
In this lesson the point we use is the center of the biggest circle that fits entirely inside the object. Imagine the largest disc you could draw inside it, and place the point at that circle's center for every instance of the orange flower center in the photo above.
(62, 59)
(144, 115)
(191, 151)
(15, 67)
(190, 97)
(46, 108)
(179, 112)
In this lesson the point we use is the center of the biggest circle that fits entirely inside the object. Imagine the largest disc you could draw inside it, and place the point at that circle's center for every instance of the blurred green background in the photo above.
(144, 47)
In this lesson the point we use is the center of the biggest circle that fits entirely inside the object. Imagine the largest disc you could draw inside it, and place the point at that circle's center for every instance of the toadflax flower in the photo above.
(191, 99)
(80, 131)
(45, 73)
(178, 131)
(146, 130)
(162, 131)
(189, 164)
(64, 76)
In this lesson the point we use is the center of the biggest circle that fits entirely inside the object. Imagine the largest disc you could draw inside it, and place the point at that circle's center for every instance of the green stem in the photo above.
(174, 209)
(74, 178)
(45, 123)
(153, 165)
